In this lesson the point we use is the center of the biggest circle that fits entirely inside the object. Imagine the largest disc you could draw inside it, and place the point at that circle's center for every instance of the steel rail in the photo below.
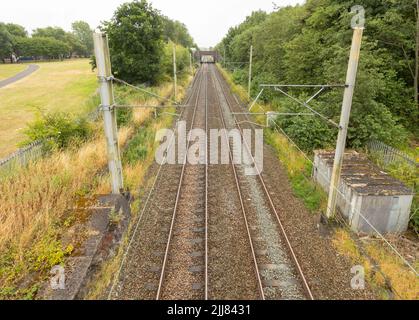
(158, 175)
(206, 187)
(303, 85)
(132, 106)
(272, 205)
(243, 210)
(166, 254)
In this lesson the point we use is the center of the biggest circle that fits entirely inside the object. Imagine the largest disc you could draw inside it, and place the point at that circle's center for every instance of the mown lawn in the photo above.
(57, 86)
(9, 70)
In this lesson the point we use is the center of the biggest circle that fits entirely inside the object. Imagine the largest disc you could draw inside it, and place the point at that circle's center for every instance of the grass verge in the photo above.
(10, 70)
(66, 86)
(39, 202)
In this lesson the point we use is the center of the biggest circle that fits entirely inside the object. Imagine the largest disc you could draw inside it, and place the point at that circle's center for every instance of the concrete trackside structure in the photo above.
(367, 196)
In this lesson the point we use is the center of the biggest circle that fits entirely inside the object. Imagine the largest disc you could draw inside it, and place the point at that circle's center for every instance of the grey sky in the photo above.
(207, 20)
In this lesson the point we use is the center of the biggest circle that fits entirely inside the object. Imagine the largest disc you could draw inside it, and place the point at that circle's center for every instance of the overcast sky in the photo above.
(207, 20)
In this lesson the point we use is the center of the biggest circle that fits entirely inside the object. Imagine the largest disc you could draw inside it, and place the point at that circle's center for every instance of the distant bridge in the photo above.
(200, 53)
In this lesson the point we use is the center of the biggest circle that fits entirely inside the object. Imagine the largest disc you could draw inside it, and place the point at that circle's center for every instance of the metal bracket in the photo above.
(106, 108)
(278, 87)
(105, 79)
(257, 98)
(178, 106)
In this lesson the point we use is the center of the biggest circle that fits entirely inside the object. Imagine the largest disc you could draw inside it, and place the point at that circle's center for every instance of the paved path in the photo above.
(29, 70)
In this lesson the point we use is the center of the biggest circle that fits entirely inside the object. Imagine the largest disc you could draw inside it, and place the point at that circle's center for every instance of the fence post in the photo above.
(103, 63)
(344, 120)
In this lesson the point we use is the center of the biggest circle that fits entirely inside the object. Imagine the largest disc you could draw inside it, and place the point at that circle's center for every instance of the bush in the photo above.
(58, 131)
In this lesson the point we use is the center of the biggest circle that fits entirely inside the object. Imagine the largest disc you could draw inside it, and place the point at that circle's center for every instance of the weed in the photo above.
(115, 217)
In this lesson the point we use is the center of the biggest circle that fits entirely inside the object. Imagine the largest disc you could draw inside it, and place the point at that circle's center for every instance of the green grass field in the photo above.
(9, 70)
(57, 86)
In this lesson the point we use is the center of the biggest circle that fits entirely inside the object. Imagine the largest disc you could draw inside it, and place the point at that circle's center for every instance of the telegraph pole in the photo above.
(250, 71)
(103, 64)
(174, 70)
(344, 120)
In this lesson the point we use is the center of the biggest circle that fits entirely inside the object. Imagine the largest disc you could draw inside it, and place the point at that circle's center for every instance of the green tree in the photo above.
(75, 45)
(16, 30)
(40, 47)
(6, 45)
(84, 35)
(182, 60)
(50, 32)
(177, 32)
(309, 44)
(136, 42)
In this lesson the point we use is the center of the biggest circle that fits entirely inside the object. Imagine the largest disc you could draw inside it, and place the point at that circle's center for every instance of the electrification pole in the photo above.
(190, 62)
(103, 64)
(250, 71)
(344, 120)
(174, 70)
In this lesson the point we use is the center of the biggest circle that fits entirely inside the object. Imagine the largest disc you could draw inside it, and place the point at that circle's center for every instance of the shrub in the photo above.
(58, 130)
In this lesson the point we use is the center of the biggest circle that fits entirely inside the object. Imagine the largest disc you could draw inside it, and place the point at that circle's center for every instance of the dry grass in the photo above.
(38, 195)
(344, 243)
(56, 86)
(9, 70)
(403, 281)
(35, 201)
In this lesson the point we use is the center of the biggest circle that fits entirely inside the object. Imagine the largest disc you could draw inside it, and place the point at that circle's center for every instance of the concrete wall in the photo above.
(388, 214)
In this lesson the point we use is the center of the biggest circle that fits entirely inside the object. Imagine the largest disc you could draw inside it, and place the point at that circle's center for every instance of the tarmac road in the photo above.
(28, 71)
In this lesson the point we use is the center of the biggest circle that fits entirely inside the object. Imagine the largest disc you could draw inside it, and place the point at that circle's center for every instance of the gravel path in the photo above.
(28, 71)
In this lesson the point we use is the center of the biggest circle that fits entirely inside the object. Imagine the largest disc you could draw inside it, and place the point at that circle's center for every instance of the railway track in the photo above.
(231, 260)
(185, 259)
(140, 270)
(263, 264)
(200, 235)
